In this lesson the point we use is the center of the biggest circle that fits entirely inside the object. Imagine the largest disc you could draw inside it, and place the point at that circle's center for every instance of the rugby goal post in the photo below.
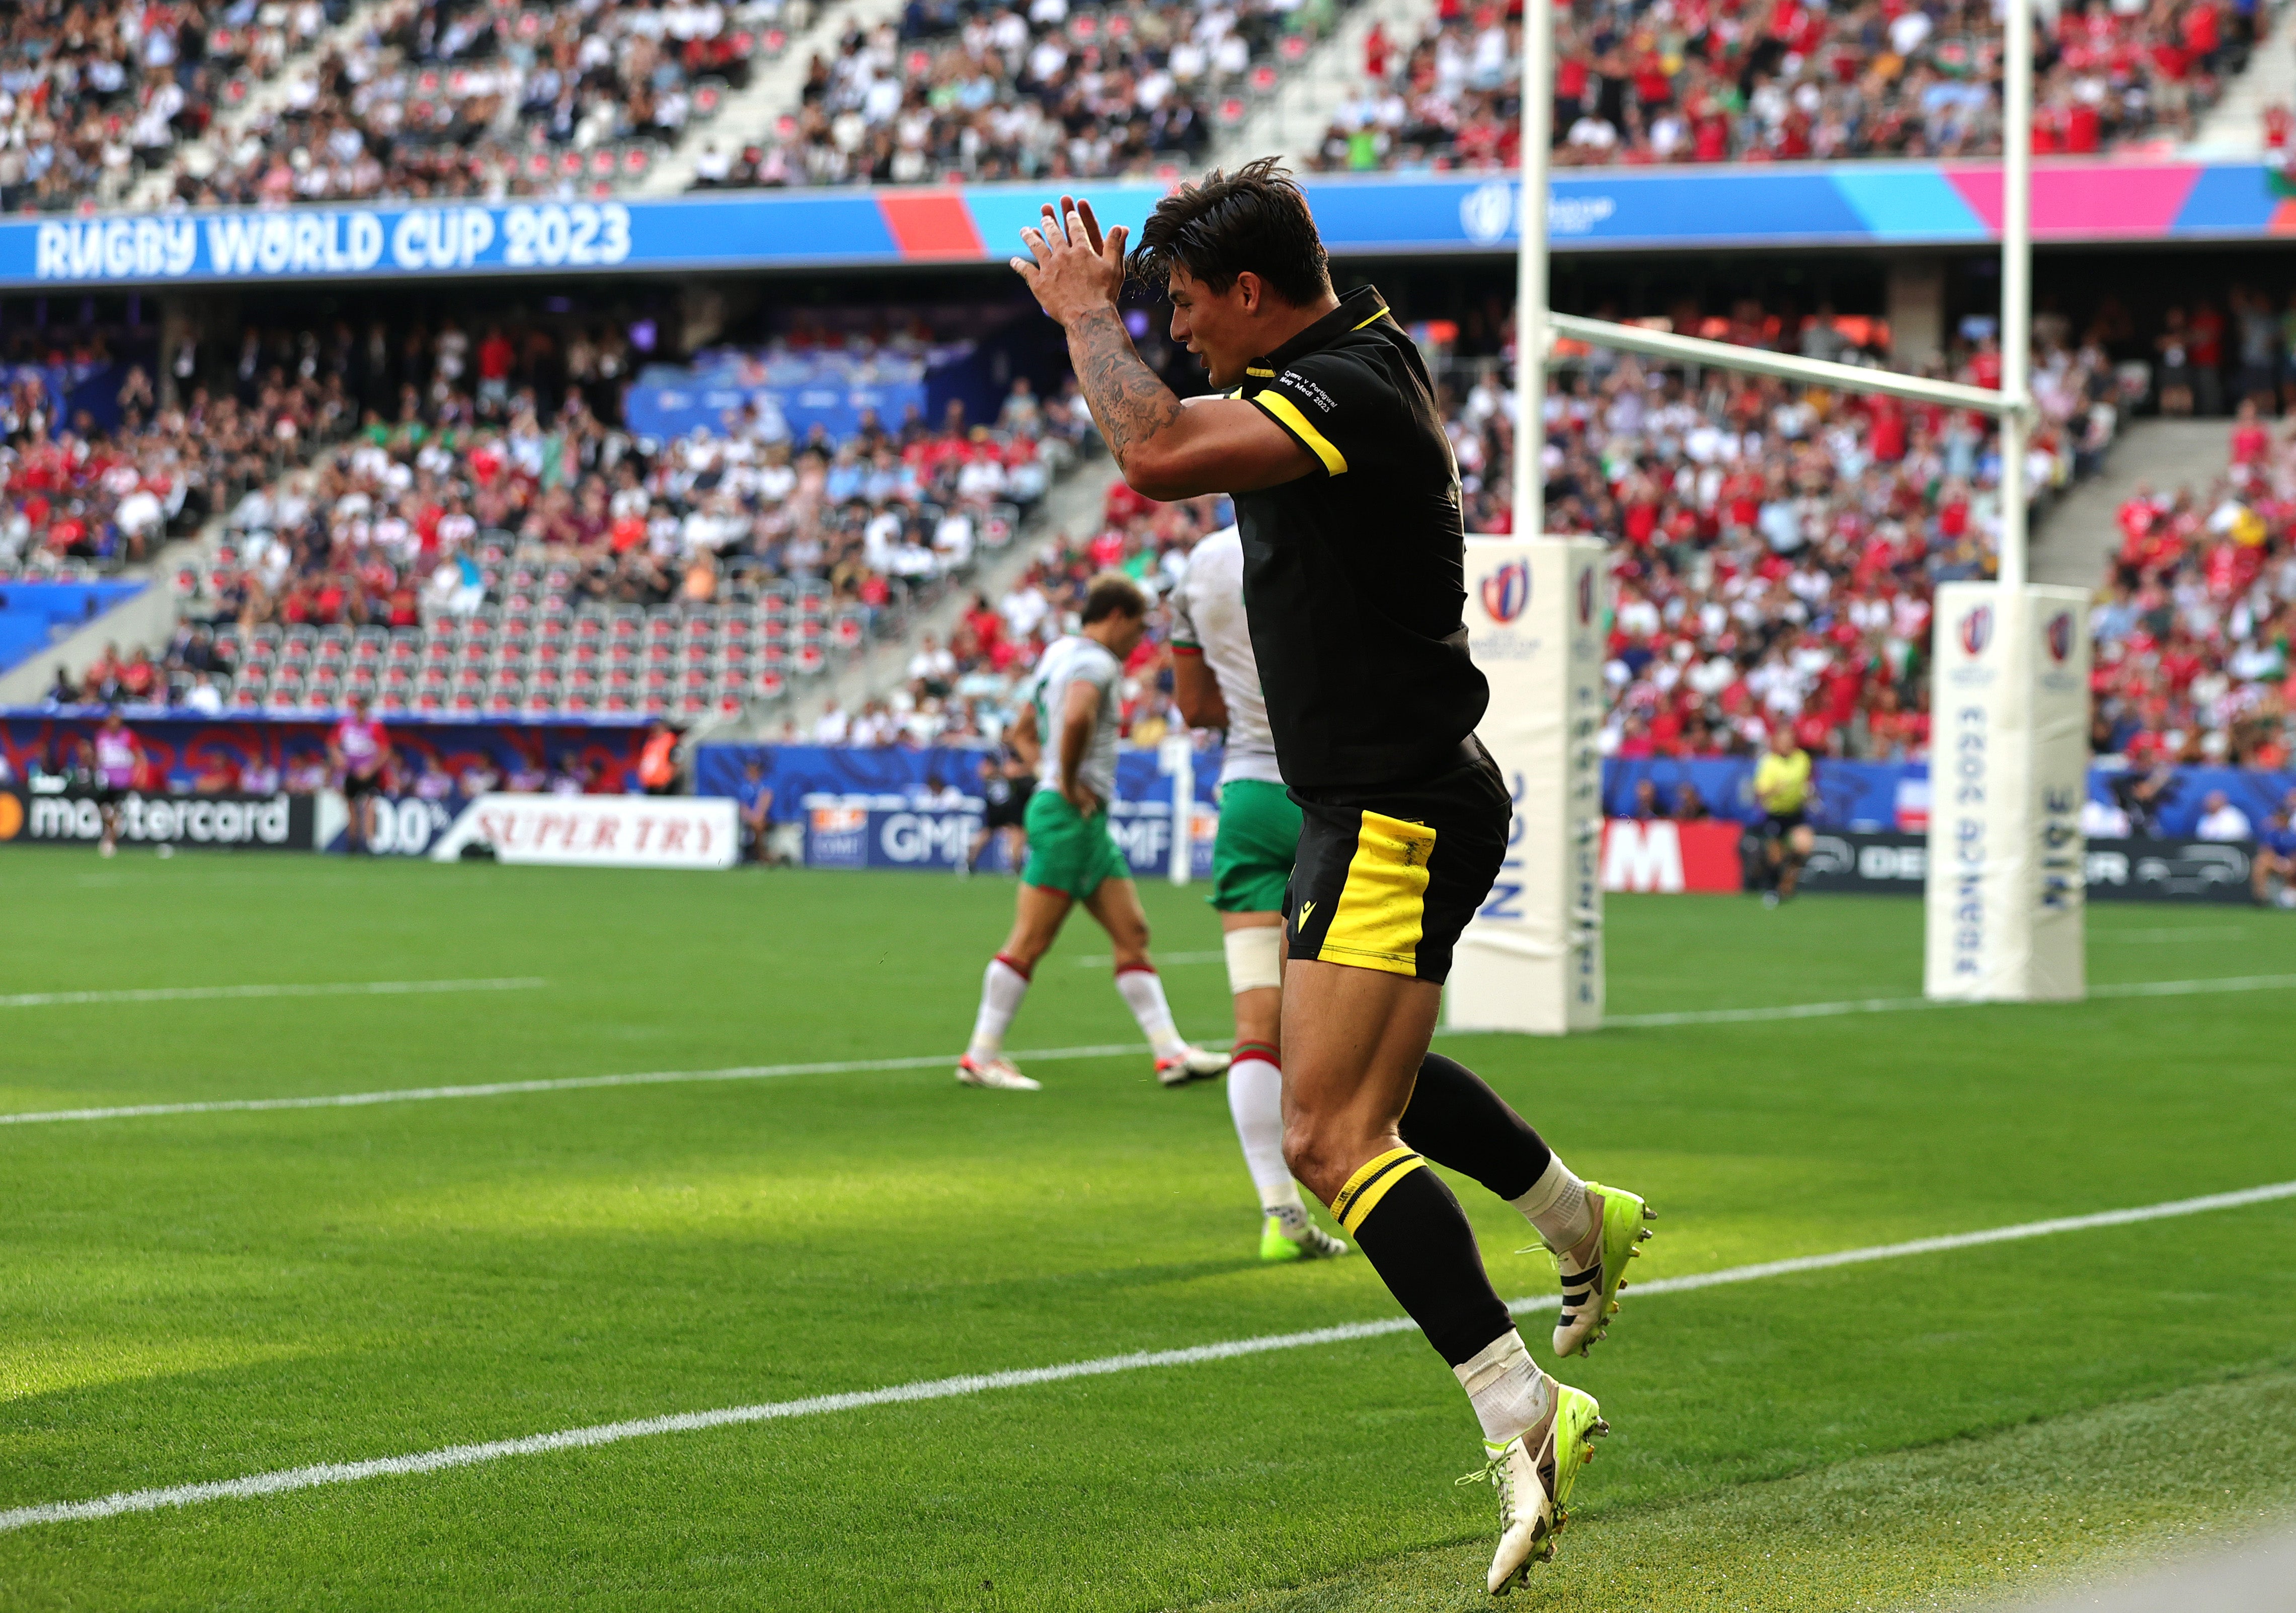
(2005, 916)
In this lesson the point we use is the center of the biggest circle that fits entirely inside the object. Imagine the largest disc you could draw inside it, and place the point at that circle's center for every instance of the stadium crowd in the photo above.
(2193, 624)
(80, 496)
(1777, 544)
(433, 98)
(977, 92)
(93, 93)
(406, 520)
(964, 688)
(1695, 81)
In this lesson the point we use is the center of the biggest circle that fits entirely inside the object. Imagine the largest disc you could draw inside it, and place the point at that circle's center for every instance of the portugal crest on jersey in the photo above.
(1977, 630)
(1507, 590)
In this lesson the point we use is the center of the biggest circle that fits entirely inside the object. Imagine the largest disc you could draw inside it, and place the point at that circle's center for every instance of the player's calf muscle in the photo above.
(1353, 1042)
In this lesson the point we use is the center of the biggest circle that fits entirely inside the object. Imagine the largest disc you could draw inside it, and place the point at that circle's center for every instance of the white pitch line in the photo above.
(951, 1388)
(856, 1066)
(568, 1083)
(1903, 1005)
(358, 988)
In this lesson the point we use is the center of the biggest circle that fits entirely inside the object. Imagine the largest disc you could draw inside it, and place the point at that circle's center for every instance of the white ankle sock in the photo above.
(1255, 1101)
(1144, 993)
(1509, 1393)
(1557, 1204)
(1002, 987)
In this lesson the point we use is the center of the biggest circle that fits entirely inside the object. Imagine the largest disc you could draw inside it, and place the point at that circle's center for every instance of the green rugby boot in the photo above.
(1535, 1478)
(1276, 1246)
(1590, 1291)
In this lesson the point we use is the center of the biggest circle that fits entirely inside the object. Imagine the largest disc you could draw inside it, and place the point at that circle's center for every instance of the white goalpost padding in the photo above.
(1532, 958)
(2008, 759)
(2004, 915)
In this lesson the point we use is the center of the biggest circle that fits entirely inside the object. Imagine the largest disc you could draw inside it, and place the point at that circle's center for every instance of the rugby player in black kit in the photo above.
(1326, 432)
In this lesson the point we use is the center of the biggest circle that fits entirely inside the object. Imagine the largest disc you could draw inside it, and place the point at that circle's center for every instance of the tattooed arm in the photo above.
(1166, 451)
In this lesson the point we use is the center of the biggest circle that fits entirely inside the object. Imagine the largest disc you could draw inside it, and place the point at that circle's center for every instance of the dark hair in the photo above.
(1255, 218)
(1114, 594)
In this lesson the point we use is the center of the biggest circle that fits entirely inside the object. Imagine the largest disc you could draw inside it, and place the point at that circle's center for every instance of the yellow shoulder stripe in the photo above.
(1276, 404)
(1250, 370)
(1380, 314)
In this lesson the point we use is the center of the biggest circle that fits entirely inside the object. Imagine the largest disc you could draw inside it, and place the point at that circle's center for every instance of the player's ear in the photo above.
(1249, 290)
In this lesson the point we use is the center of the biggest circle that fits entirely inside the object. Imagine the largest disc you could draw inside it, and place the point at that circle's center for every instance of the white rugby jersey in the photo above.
(1208, 618)
(1064, 662)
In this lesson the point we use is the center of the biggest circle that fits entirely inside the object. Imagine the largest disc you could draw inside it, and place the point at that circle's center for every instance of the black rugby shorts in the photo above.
(1387, 877)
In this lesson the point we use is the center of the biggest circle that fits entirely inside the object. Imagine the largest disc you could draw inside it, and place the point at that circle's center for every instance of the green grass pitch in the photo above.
(203, 1297)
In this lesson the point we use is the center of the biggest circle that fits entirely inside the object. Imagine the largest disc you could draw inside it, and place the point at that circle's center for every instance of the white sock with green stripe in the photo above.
(1510, 1395)
(1144, 993)
(1557, 1204)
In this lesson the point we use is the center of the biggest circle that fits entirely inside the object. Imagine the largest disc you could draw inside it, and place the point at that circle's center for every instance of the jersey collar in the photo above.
(1357, 309)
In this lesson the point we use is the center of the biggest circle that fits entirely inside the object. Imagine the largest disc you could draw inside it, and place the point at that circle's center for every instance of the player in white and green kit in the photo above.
(1216, 682)
(1070, 716)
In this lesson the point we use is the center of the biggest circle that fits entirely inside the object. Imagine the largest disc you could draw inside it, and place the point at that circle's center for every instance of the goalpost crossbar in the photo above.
(1786, 366)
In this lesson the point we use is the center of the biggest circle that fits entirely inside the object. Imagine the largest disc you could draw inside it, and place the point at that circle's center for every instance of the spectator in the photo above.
(657, 768)
(2272, 869)
(2220, 820)
(754, 798)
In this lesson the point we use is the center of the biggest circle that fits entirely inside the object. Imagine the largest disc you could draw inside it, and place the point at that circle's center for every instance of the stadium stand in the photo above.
(94, 94)
(2193, 624)
(491, 552)
(432, 98)
(1777, 544)
(964, 688)
(1706, 83)
(82, 500)
(957, 92)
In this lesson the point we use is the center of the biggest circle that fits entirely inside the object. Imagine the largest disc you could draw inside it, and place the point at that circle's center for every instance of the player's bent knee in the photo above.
(1255, 958)
(1318, 1155)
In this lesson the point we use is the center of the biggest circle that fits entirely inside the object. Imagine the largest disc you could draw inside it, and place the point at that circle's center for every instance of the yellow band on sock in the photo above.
(1370, 1184)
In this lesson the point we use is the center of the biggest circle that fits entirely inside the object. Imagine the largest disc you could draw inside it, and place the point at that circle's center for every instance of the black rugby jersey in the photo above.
(1355, 575)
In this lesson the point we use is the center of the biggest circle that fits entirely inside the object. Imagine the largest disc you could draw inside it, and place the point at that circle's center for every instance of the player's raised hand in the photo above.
(1072, 267)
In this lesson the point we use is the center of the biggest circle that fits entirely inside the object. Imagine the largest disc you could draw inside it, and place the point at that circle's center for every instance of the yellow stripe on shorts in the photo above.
(1370, 1184)
(1383, 906)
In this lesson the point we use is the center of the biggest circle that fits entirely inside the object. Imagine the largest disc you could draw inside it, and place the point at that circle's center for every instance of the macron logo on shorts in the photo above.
(1306, 908)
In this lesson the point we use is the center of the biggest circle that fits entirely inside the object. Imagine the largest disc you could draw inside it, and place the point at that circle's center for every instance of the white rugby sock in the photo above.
(1510, 1395)
(1557, 1204)
(1002, 987)
(1144, 993)
(1255, 1101)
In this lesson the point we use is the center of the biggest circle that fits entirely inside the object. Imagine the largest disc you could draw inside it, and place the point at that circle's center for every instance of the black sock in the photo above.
(1416, 1237)
(1459, 1122)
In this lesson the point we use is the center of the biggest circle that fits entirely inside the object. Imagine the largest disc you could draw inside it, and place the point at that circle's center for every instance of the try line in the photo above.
(951, 1388)
(858, 1066)
(357, 988)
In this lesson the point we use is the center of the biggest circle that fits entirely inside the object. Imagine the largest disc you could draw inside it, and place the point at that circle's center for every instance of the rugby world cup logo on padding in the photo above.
(1977, 630)
(2059, 636)
(1586, 595)
(1507, 590)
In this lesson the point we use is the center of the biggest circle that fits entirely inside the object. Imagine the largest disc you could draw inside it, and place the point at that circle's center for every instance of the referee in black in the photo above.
(1006, 783)
(1325, 432)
